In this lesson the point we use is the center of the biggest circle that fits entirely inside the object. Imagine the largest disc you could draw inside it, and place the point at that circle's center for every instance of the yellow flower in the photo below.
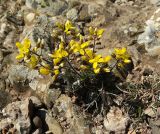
(80, 47)
(44, 71)
(107, 70)
(96, 32)
(56, 73)
(89, 53)
(80, 37)
(84, 58)
(99, 33)
(23, 48)
(97, 59)
(58, 55)
(121, 54)
(33, 61)
(96, 70)
(56, 61)
(106, 59)
(68, 27)
(20, 56)
(119, 51)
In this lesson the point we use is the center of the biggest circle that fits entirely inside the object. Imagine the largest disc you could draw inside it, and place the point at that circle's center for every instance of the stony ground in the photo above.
(29, 103)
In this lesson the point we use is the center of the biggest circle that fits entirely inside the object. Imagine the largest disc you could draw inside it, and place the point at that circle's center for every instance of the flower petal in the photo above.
(20, 56)
(44, 71)
(95, 64)
(89, 52)
(106, 70)
(19, 45)
(96, 70)
(81, 51)
(107, 58)
(127, 61)
(56, 61)
(26, 43)
(85, 44)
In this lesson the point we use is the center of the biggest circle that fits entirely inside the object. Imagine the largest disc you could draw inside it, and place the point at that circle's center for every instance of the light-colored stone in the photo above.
(64, 104)
(151, 36)
(116, 121)
(18, 74)
(19, 114)
(29, 18)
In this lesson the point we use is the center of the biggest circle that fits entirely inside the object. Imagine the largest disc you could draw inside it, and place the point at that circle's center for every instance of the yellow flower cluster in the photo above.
(121, 56)
(71, 47)
(23, 49)
(25, 54)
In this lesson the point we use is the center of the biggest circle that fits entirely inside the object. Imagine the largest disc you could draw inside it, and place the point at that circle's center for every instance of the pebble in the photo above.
(30, 18)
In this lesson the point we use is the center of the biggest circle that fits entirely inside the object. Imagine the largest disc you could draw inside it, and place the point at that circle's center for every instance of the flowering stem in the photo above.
(114, 65)
(94, 44)
(67, 59)
(42, 58)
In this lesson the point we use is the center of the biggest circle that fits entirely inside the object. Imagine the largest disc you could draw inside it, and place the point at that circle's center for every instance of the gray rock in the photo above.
(53, 8)
(19, 113)
(58, 7)
(148, 36)
(83, 14)
(72, 14)
(52, 96)
(20, 77)
(151, 38)
(94, 9)
(36, 3)
(19, 74)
